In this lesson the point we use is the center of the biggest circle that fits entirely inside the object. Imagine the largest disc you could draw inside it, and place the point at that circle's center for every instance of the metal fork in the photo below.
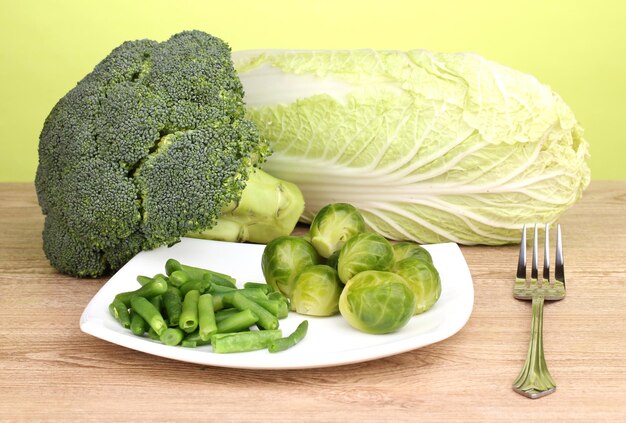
(535, 381)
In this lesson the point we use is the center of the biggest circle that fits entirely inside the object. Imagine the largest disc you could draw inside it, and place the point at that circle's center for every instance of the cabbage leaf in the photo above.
(430, 147)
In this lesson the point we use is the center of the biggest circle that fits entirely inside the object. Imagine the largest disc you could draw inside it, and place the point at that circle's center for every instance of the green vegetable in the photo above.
(296, 336)
(377, 302)
(189, 315)
(150, 314)
(316, 291)
(185, 273)
(423, 279)
(119, 311)
(173, 304)
(266, 319)
(192, 340)
(206, 317)
(150, 146)
(149, 290)
(283, 259)
(429, 146)
(244, 341)
(138, 325)
(366, 251)
(172, 336)
(241, 320)
(402, 250)
(333, 225)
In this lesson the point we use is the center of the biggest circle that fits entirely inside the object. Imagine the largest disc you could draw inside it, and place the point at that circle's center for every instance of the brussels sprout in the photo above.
(403, 250)
(283, 259)
(423, 279)
(333, 225)
(377, 302)
(316, 291)
(366, 251)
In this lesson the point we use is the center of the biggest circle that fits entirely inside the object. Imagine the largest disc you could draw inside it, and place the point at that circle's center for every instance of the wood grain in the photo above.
(50, 370)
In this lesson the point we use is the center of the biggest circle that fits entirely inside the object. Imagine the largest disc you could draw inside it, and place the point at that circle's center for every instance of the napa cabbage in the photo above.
(430, 147)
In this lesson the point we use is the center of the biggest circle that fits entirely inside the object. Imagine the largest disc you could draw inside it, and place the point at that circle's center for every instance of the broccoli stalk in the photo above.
(268, 208)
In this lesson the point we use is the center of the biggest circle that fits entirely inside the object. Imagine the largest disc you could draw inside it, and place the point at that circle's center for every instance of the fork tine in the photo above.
(559, 265)
(521, 263)
(534, 273)
(546, 256)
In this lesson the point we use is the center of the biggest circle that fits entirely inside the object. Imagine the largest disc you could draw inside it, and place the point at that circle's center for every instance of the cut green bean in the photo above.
(275, 295)
(149, 290)
(173, 265)
(253, 293)
(178, 278)
(153, 335)
(172, 336)
(189, 314)
(157, 302)
(296, 336)
(193, 340)
(144, 280)
(237, 322)
(244, 341)
(173, 304)
(138, 325)
(151, 315)
(119, 311)
(219, 289)
(277, 307)
(206, 317)
(224, 313)
(259, 285)
(266, 319)
(199, 285)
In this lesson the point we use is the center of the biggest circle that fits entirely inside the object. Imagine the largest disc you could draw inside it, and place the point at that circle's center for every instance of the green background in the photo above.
(576, 47)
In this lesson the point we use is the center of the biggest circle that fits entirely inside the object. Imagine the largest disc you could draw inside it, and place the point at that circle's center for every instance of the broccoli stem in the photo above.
(268, 208)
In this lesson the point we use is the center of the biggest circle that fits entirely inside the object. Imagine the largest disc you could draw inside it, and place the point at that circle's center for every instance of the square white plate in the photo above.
(330, 341)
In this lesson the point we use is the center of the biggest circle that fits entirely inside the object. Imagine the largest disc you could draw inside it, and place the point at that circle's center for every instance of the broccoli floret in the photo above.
(152, 145)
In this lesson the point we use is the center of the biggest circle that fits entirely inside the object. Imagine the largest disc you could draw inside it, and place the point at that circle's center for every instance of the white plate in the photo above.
(330, 341)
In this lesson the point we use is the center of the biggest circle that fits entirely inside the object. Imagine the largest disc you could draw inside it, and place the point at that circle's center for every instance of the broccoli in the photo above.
(150, 146)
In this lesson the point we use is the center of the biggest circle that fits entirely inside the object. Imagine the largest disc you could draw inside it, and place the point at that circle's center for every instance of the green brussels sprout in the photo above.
(366, 251)
(333, 225)
(316, 291)
(377, 302)
(423, 279)
(403, 250)
(283, 259)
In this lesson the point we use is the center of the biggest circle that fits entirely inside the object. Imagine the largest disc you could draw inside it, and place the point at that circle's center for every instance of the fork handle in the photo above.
(535, 381)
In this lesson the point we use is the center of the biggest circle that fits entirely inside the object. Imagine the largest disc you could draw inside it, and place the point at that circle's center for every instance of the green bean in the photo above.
(172, 301)
(193, 340)
(243, 341)
(224, 313)
(206, 317)
(120, 312)
(173, 265)
(218, 289)
(157, 302)
(199, 285)
(219, 279)
(151, 315)
(276, 295)
(259, 285)
(144, 280)
(153, 335)
(149, 290)
(138, 324)
(172, 336)
(266, 319)
(178, 278)
(189, 314)
(253, 293)
(237, 322)
(277, 307)
(296, 336)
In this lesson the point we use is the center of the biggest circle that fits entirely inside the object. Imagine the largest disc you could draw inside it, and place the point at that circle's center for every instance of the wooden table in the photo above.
(50, 370)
